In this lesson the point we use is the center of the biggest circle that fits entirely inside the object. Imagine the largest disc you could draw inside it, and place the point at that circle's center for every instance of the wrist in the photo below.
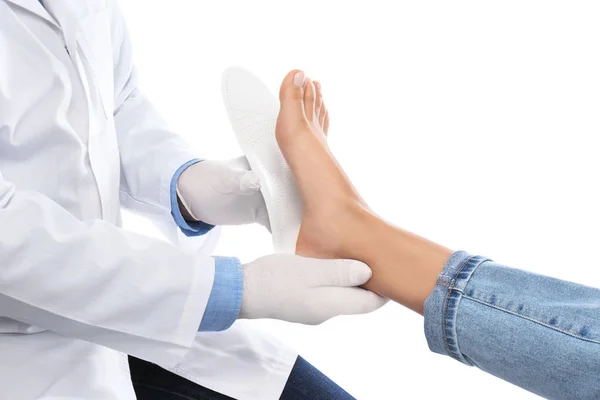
(185, 213)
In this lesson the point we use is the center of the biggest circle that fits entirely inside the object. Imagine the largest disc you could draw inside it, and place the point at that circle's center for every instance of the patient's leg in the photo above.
(336, 222)
(514, 321)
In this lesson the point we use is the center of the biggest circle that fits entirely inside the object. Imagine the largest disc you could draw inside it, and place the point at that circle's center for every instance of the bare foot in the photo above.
(336, 222)
(332, 205)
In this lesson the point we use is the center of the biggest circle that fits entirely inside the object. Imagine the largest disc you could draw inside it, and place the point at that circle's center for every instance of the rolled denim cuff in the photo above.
(441, 307)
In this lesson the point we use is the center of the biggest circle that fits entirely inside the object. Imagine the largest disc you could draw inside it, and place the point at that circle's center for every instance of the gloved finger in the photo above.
(340, 273)
(239, 163)
(237, 181)
(249, 183)
(344, 301)
(357, 301)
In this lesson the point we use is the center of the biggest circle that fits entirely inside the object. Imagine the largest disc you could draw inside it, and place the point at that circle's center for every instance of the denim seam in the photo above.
(451, 279)
(449, 293)
(454, 293)
(531, 319)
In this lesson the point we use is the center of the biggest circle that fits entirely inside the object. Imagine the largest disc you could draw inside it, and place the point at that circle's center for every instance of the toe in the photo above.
(292, 87)
(318, 100)
(292, 116)
(310, 100)
(325, 124)
(291, 93)
(322, 115)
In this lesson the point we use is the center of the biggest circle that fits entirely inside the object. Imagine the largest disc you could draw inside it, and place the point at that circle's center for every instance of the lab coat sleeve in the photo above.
(96, 282)
(150, 152)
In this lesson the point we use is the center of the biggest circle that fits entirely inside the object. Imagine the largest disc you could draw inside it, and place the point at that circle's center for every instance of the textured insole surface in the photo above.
(252, 111)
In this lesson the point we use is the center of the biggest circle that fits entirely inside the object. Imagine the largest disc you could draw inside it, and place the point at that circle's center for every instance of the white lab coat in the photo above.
(77, 293)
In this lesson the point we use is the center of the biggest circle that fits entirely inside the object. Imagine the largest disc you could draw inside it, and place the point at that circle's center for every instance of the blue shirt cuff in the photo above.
(187, 227)
(225, 299)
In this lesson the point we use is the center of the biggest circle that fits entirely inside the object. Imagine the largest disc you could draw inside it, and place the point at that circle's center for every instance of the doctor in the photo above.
(77, 293)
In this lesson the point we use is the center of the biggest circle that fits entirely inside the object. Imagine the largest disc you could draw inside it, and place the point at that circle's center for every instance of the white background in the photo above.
(472, 123)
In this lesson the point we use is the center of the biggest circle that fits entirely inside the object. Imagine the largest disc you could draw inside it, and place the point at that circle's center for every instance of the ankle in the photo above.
(405, 266)
(359, 227)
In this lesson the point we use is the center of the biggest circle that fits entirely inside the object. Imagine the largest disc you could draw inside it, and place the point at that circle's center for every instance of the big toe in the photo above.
(291, 94)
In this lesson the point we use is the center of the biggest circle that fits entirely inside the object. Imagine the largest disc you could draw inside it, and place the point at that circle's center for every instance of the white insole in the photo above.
(252, 111)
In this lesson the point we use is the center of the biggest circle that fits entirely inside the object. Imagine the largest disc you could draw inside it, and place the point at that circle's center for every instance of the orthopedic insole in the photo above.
(252, 111)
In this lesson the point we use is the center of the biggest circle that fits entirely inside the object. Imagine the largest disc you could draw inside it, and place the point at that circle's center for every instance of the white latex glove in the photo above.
(222, 193)
(306, 290)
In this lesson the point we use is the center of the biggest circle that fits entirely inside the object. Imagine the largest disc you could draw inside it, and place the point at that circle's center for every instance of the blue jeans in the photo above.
(151, 382)
(539, 333)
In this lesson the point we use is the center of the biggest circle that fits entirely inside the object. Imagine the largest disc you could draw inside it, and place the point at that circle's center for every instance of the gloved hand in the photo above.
(306, 290)
(222, 193)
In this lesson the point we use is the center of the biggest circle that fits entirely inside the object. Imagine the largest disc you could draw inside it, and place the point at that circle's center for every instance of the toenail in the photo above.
(299, 79)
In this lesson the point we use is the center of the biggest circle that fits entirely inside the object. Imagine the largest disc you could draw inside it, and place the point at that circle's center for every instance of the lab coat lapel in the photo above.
(84, 21)
(36, 8)
(74, 9)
